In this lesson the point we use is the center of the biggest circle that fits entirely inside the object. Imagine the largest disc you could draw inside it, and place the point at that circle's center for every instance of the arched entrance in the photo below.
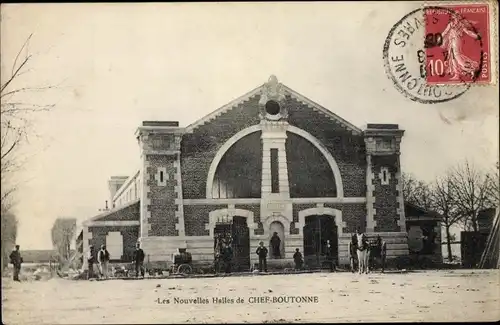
(278, 228)
(320, 240)
(237, 231)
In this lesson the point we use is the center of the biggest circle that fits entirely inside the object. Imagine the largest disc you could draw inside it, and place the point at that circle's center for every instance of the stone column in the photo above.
(274, 137)
(162, 219)
(370, 210)
(274, 141)
(399, 186)
(86, 237)
(275, 206)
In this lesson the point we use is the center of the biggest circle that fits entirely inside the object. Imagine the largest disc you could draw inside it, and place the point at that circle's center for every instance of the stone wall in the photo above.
(130, 236)
(347, 149)
(196, 217)
(386, 203)
(199, 148)
(161, 207)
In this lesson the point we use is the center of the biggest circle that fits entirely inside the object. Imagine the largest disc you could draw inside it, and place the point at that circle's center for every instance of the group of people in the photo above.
(365, 253)
(360, 250)
(262, 254)
(102, 258)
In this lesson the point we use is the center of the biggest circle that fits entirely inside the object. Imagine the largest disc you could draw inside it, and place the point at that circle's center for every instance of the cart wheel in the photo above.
(185, 269)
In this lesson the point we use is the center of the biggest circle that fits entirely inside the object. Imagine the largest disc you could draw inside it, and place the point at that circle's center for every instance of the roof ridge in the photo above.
(256, 91)
(315, 106)
(235, 102)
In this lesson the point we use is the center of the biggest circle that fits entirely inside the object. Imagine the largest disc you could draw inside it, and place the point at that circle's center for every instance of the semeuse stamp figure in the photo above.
(457, 44)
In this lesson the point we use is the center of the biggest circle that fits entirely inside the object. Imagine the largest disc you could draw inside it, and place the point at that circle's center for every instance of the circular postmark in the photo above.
(408, 49)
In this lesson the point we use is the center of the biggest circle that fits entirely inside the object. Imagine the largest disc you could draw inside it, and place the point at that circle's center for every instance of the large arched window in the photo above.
(309, 173)
(239, 172)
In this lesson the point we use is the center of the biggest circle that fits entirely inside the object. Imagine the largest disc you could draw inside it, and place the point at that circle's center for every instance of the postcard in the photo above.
(250, 162)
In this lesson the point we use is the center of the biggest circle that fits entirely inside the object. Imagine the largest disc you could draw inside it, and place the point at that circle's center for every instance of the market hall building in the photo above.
(270, 161)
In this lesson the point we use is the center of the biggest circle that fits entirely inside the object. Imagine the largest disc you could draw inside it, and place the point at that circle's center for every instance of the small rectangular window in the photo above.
(161, 176)
(275, 185)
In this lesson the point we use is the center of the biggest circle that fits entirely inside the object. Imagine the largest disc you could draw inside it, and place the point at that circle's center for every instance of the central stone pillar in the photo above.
(273, 140)
(276, 206)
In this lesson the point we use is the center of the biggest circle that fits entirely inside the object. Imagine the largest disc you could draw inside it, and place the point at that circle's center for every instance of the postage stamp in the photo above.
(457, 44)
(434, 54)
(224, 194)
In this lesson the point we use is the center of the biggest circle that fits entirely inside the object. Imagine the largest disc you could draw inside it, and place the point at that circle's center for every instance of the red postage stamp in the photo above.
(457, 44)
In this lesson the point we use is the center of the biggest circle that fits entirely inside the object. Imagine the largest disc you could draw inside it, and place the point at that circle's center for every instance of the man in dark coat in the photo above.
(227, 256)
(138, 260)
(91, 262)
(275, 245)
(381, 252)
(353, 251)
(16, 260)
(297, 258)
(330, 256)
(262, 253)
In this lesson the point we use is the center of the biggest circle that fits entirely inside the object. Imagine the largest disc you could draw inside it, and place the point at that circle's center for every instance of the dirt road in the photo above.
(463, 295)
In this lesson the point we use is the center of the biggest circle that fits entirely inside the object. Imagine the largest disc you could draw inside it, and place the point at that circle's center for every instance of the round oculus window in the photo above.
(272, 107)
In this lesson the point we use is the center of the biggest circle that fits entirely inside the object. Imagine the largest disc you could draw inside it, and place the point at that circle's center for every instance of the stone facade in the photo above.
(130, 235)
(309, 161)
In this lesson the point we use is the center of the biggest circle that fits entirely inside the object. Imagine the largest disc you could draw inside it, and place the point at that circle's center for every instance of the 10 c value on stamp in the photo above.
(436, 53)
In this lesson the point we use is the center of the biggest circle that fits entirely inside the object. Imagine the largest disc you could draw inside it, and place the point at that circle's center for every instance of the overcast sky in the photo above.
(116, 65)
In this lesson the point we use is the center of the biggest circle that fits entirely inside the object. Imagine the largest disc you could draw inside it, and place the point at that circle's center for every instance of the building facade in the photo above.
(271, 161)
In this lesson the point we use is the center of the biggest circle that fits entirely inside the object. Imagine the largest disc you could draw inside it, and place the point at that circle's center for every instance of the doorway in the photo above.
(239, 234)
(320, 240)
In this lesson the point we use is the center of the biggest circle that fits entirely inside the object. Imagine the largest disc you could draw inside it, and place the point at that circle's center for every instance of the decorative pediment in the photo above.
(272, 101)
(271, 93)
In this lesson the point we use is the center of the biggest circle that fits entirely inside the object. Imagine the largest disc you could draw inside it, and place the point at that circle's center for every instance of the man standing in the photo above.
(138, 258)
(90, 262)
(275, 245)
(103, 260)
(382, 248)
(352, 251)
(227, 256)
(297, 258)
(330, 256)
(16, 260)
(262, 253)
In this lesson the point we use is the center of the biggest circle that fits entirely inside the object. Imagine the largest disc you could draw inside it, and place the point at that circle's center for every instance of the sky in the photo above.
(115, 65)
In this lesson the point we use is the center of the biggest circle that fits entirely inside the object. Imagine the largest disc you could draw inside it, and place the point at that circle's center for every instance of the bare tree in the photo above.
(417, 192)
(16, 124)
(470, 188)
(443, 200)
(493, 191)
(16, 128)
(9, 235)
(63, 232)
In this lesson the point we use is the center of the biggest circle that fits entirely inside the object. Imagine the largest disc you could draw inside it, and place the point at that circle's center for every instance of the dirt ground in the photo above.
(459, 295)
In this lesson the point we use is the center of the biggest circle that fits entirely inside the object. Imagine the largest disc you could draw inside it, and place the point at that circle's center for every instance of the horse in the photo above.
(363, 252)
